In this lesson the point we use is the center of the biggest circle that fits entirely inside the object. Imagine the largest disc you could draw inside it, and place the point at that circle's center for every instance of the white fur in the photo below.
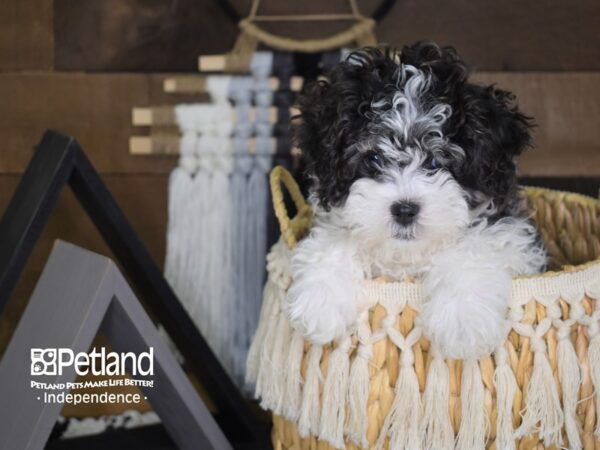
(467, 287)
(464, 262)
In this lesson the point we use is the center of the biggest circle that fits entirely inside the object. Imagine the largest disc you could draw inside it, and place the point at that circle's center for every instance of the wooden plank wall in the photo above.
(80, 67)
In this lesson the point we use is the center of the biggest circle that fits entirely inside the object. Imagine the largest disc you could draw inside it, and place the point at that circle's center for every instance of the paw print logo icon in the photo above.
(43, 361)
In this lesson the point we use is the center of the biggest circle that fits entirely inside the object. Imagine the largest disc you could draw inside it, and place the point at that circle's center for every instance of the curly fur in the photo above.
(383, 130)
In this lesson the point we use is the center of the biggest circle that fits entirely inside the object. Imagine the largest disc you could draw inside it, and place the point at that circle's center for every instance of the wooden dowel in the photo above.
(304, 18)
(211, 63)
(169, 145)
(196, 84)
(165, 115)
(294, 111)
(296, 83)
(154, 145)
(154, 115)
(216, 63)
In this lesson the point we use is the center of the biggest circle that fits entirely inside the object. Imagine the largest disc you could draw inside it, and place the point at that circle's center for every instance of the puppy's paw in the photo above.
(323, 310)
(467, 321)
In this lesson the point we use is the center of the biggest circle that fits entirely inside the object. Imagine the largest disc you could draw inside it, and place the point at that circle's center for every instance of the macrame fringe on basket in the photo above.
(385, 387)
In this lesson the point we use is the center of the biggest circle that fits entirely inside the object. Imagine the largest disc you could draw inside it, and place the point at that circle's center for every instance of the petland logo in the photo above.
(52, 361)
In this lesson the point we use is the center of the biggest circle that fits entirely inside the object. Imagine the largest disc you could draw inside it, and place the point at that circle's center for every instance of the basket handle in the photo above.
(289, 230)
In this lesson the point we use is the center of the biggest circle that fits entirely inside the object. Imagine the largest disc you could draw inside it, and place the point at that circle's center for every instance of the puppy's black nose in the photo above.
(404, 212)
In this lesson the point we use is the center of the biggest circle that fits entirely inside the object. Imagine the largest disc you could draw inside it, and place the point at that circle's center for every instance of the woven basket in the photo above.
(386, 387)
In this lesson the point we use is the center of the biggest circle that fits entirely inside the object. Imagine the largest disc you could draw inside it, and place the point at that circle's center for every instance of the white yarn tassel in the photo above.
(543, 412)
(437, 429)
(569, 372)
(506, 388)
(293, 396)
(474, 423)
(280, 353)
(273, 387)
(334, 396)
(180, 183)
(265, 369)
(253, 361)
(358, 395)
(273, 295)
(403, 422)
(594, 361)
(177, 269)
(310, 409)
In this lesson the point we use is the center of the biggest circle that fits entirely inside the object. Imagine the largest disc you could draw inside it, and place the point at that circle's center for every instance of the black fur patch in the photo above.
(337, 113)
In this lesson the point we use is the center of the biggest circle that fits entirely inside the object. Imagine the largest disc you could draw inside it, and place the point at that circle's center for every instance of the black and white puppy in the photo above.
(413, 177)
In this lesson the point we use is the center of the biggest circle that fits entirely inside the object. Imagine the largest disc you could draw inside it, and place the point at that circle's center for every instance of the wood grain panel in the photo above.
(159, 35)
(96, 109)
(566, 108)
(139, 35)
(515, 35)
(26, 35)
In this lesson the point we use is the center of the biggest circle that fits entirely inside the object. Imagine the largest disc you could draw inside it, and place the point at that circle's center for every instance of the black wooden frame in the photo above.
(59, 160)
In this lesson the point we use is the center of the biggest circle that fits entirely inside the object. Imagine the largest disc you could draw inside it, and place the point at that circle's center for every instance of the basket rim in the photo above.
(582, 199)
(586, 200)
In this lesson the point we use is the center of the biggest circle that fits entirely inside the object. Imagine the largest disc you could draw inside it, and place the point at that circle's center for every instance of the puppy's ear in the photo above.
(332, 114)
(488, 125)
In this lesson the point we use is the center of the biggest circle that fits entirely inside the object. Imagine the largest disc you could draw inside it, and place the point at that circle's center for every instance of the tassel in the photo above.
(570, 381)
(308, 422)
(334, 395)
(293, 397)
(240, 94)
(198, 243)
(265, 370)
(437, 429)
(280, 358)
(506, 388)
(253, 360)
(273, 390)
(273, 295)
(358, 395)
(180, 183)
(177, 270)
(474, 424)
(403, 422)
(594, 361)
(542, 405)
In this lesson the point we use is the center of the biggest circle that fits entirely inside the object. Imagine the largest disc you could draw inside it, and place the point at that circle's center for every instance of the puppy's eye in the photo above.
(374, 159)
(434, 164)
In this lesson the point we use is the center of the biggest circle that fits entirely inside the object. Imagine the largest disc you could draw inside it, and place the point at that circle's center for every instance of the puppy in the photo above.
(412, 173)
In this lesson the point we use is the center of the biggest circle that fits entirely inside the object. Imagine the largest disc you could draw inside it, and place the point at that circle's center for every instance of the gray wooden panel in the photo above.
(128, 328)
(77, 293)
(65, 310)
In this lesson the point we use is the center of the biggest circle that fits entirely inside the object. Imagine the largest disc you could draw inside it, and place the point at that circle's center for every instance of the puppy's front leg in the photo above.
(468, 286)
(324, 297)
(465, 311)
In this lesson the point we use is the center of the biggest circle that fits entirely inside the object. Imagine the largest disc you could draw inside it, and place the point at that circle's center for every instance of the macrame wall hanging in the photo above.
(198, 262)
(220, 223)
